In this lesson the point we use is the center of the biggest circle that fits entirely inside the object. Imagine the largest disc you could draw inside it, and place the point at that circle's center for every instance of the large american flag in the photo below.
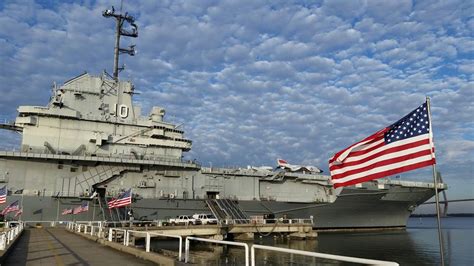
(3, 194)
(14, 206)
(83, 208)
(404, 146)
(124, 199)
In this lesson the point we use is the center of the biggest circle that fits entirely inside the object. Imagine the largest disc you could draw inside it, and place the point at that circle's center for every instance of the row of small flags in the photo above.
(122, 200)
(12, 207)
(83, 208)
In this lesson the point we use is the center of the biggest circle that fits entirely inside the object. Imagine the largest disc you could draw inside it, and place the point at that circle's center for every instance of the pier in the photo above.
(102, 243)
(238, 229)
(56, 246)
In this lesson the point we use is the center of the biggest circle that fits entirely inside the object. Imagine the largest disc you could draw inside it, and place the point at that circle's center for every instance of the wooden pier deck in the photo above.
(56, 246)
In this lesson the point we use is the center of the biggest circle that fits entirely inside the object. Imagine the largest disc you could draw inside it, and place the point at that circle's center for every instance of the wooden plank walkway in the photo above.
(56, 246)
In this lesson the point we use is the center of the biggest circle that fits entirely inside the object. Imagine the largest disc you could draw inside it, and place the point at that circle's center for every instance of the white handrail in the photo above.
(319, 255)
(126, 238)
(249, 253)
(148, 236)
(245, 245)
(111, 232)
(7, 236)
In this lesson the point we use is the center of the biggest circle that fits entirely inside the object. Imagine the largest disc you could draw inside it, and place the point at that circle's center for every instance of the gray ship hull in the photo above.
(52, 183)
(353, 209)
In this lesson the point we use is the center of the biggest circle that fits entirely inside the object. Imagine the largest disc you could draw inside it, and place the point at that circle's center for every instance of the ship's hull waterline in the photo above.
(351, 211)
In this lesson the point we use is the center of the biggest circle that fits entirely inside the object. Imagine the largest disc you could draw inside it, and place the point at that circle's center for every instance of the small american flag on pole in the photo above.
(3, 194)
(11, 208)
(83, 208)
(404, 146)
(124, 199)
(67, 211)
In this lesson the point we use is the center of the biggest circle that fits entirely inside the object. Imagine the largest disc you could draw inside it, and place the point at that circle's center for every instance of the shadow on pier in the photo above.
(56, 246)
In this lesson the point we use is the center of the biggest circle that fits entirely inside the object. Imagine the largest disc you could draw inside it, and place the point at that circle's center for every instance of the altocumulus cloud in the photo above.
(252, 81)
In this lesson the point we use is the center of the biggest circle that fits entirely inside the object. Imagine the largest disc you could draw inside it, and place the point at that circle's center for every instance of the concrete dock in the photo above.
(99, 243)
(56, 246)
(236, 231)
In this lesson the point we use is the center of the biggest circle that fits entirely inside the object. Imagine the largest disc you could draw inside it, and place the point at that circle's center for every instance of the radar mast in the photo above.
(120, 19)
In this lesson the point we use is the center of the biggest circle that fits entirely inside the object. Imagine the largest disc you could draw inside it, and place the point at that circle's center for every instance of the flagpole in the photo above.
(100, 205)
(118, 215)
(22, 210)
(93, 210)
(57, 210)
(440, 235)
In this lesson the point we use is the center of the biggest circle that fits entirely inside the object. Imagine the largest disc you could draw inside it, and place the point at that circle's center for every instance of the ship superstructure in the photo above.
(95, 116)
(91, 138)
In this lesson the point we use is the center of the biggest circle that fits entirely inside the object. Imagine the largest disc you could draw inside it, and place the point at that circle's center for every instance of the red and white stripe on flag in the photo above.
(18, 213)
(3, 194)
(67, 211)
(83, 208)
(111, 203)
(11, 208)
(404, 146)
(123, 200)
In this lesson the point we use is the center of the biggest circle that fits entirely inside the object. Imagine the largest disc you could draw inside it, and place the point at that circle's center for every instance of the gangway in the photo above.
(224, 209)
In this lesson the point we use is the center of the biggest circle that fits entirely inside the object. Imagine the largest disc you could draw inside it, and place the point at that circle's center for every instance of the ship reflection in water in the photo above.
(418, 245)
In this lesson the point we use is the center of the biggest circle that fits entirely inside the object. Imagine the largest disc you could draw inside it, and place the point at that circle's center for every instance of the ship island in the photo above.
(90, 143)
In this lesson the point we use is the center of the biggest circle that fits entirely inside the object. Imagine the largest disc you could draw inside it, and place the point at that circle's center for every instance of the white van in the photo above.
(205, 218)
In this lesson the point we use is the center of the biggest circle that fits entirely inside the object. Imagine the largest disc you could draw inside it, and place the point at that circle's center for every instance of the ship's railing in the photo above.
(163, 222)
(156, 223)
(254, 221)
(411, 183)
(150, 223)
(11, 231)
(100, 157)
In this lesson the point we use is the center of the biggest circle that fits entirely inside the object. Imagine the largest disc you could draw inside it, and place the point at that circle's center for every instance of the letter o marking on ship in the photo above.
(123, 111)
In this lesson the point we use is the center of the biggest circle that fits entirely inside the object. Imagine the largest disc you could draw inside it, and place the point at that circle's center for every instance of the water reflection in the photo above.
(415, 246)
(392, 246)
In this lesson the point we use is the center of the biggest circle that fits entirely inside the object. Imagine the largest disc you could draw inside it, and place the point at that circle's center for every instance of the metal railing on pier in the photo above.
(318, 255)
(148, 236)
(122, 235)
(230, 243)
(12, 230)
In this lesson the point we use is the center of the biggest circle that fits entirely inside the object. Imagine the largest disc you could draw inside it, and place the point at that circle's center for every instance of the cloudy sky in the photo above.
(252, 81)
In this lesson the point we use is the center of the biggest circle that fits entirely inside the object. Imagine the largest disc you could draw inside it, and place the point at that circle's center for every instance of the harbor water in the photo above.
(417, 245)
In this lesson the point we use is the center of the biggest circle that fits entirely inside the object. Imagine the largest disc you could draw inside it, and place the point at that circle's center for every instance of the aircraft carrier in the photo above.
(90, 143)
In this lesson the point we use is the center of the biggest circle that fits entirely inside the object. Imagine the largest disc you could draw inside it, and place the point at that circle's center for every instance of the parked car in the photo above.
(205, 218)
(184, 220)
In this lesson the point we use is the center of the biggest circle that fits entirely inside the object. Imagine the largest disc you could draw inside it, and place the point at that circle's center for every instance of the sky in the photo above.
(253, 81)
